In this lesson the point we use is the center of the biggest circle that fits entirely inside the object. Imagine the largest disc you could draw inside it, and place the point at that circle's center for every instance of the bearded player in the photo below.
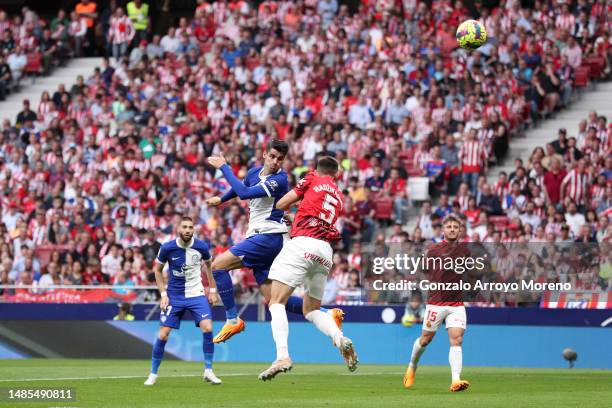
(183, 290)
(306, 260)
(443, 306)
(263, 186)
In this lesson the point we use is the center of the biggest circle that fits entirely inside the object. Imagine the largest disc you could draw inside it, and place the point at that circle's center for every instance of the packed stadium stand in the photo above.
(95, 173)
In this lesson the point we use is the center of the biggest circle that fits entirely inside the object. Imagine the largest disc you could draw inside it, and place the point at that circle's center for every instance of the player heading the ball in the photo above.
(186, 256)
(263, 187)
(306, 260)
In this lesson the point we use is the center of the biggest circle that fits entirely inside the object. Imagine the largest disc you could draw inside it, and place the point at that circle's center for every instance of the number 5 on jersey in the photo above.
(329, 204)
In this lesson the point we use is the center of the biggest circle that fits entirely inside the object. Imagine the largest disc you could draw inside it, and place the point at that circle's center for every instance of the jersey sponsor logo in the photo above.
(179, 274)
(190, 269)
(318, 259)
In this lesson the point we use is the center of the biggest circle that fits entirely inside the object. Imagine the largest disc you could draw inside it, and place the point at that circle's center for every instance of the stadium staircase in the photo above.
(598, 99)
(32, 87)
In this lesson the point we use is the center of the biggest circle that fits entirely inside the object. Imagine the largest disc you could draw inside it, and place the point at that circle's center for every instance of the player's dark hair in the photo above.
(278, 145)
(327, 166)
(186, 218)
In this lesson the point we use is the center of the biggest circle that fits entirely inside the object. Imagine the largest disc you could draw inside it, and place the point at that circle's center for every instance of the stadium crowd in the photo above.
(29, 45)
(94, 177)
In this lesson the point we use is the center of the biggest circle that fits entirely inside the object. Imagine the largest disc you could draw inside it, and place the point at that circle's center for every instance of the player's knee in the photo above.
(206, 326)
(425, 340)
(163, 335)
(456, 341)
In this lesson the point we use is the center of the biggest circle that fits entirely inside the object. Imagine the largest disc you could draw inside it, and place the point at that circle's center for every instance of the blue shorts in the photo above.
(198, 306)
(258, 252)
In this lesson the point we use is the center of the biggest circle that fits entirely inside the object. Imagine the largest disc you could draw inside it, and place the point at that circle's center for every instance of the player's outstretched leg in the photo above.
(326, 325)
(280, 332)
(234, 324)
(209, 350)
(158, 354)
(295, 305)
(418, 348)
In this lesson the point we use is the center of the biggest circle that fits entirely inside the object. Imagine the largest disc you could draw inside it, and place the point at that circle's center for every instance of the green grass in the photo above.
(311, 386)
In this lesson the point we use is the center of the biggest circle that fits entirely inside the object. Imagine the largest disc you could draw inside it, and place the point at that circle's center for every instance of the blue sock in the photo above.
(158, 355)
(209, 349)
(226, 292)
(294, 305)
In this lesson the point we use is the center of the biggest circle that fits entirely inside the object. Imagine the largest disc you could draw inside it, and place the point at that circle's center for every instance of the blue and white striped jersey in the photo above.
(184, 267)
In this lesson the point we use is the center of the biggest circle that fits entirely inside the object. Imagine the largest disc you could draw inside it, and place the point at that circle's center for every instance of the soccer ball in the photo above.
(408, 320)
(471, 34)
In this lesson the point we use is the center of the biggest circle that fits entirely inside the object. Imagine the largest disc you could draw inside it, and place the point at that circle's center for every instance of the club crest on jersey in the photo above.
(273, 184)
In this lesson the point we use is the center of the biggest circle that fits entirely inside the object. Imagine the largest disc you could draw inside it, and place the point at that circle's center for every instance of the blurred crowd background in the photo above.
(95, 174)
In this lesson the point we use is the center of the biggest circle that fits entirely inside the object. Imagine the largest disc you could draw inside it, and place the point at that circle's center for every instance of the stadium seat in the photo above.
(499, 222)
(34, 65)
(406, 155)
(414, 171)
(581, 76)
(384, 208)
(596, 65)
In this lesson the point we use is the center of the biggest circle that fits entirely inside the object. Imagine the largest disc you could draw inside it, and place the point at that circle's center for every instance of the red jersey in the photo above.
(438, 274)
(318, 212)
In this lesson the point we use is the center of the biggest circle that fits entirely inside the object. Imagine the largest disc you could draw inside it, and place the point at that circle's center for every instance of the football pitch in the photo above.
(119, 383)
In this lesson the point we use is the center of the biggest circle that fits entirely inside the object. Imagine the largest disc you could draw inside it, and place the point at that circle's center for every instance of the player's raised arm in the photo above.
(288, 200)
(238, 186)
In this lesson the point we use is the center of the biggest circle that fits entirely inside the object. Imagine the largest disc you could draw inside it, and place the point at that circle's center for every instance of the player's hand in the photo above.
(213, 298)
(217, 161)
(213, 201)
(164, 303)
(289, 218)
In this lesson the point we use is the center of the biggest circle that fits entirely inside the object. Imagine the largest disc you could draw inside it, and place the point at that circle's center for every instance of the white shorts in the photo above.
(303, 261)
(454, 316)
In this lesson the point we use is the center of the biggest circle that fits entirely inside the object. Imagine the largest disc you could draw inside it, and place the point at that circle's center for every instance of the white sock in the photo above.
(326, 325)
(455, 358)
(417, 350)
(280, 330)
(232, 321)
